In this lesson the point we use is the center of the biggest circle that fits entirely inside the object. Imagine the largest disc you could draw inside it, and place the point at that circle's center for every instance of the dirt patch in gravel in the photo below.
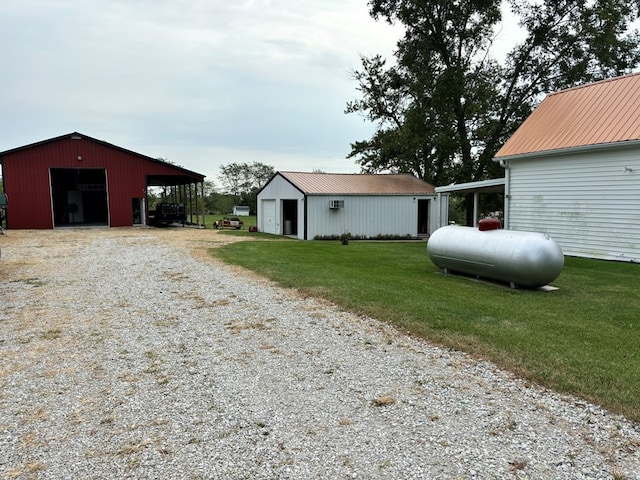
(20, 247)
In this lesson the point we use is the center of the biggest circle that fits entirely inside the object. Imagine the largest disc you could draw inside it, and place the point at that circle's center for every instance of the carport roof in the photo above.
(358, 184)
(495, 185)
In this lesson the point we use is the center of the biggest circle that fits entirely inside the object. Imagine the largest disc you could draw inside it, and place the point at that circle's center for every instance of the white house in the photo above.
(310, 205)
(572, 170)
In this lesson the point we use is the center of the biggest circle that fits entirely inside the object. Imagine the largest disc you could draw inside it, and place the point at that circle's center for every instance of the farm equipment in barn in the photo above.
(167, 214)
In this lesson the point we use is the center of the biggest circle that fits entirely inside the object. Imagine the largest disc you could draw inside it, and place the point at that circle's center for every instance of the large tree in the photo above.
(243, 180)
(447, 104)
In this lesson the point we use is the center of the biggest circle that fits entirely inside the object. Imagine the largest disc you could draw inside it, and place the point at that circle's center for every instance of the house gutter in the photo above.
(568, 150)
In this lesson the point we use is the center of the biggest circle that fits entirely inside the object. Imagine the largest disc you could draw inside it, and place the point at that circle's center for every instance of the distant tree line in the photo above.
(240, 185)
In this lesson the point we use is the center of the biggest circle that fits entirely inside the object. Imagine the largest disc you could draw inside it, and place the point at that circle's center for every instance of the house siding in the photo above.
(588, 202)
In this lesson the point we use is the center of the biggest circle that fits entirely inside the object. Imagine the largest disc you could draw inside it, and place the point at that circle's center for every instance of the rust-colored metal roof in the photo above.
(358, 184)
(598, 113)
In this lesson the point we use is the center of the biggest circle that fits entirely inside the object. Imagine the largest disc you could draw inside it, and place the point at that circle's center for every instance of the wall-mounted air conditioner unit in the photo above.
(333, 204)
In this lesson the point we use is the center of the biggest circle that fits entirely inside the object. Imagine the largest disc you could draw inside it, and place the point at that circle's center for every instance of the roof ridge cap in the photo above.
(347, 173)
(597, 82)
(322, 173)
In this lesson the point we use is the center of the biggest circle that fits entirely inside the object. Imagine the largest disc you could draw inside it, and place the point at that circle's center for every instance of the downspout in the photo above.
(507, 192)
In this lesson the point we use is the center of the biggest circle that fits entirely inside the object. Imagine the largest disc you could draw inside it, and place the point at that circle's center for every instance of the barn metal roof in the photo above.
(599, 113)
(358, 184)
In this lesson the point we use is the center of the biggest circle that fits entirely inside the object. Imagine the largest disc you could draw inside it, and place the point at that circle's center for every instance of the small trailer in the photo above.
(233, 222)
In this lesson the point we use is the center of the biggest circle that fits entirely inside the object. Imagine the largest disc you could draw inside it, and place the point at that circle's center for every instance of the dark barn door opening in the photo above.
(79, 196)
(423, 217)
(290, 217)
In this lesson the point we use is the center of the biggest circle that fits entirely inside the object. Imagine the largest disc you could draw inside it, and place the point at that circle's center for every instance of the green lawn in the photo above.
(582, 339)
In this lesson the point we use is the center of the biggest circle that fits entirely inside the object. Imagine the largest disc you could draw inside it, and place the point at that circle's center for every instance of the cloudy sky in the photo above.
(201, 83)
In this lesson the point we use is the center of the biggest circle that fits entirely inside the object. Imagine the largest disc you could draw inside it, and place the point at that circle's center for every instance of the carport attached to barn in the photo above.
(78, 180)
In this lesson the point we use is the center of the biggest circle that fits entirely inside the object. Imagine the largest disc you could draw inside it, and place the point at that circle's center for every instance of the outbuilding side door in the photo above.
(290, 217)
(423, 217)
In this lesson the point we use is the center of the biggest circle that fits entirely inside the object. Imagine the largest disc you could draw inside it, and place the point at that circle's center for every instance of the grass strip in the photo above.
(583, 339)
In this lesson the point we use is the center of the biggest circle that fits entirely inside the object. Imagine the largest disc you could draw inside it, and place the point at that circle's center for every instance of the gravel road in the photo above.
(130, 353)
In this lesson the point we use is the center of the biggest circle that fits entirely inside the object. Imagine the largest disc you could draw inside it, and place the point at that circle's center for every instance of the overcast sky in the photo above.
(202, 83)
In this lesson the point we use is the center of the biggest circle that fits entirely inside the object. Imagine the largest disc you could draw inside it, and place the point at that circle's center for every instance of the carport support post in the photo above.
(191, 204)
(202, 190)
(476, 202)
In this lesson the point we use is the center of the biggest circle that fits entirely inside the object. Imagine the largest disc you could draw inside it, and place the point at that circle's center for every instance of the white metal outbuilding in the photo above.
(311, 205)
(240, 210)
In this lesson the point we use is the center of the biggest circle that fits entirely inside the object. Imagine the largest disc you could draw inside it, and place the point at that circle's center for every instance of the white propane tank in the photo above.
(524, 259)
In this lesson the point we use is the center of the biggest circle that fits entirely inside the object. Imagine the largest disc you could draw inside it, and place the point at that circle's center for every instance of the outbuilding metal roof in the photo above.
(598, 113)
(358, 184)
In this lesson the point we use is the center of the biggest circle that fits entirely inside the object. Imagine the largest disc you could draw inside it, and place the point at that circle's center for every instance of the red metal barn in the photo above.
(76, 179)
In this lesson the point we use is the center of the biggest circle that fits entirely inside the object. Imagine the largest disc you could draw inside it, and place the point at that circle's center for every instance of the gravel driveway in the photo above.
(129, 353)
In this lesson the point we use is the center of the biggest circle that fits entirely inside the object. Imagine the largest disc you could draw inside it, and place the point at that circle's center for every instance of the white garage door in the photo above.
(269, 217)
